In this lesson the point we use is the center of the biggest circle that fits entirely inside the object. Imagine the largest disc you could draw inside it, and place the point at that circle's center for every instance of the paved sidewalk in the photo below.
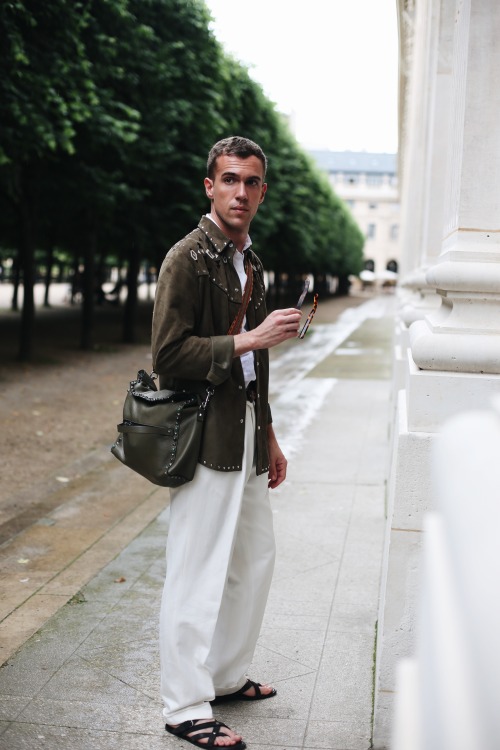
(89, 678)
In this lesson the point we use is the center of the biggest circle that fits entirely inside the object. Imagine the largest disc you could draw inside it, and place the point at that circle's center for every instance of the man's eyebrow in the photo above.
(235, 174)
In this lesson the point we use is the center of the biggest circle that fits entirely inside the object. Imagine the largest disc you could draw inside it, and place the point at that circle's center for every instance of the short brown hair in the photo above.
(235, 145)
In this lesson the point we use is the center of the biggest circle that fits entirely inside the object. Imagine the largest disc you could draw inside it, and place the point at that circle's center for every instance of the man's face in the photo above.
(237, 190)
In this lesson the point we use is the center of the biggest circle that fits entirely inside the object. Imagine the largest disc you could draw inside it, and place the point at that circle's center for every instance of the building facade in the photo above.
(368, 184)
(444, 670)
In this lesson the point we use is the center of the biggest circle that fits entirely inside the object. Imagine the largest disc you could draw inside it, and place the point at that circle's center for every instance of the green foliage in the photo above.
(46, 86)
(108, 110)
(302, 225)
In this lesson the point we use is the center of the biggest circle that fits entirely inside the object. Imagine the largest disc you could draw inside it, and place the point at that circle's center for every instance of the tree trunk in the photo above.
(89, 282)
(100, 279)
(28, 311)
(48, 276)
(27, 258)
(16, 279)
(76, 281)
(343, 287)
(131, 303)
(321, 286)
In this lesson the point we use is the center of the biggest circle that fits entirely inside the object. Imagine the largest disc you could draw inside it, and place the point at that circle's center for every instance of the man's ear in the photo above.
(263, 192)
(209, 187)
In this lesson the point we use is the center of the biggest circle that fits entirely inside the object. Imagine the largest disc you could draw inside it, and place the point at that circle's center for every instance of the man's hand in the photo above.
(277, 461)
(279, 326)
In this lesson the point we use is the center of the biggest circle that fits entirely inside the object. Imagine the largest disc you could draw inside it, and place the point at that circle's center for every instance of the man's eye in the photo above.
(228, 180)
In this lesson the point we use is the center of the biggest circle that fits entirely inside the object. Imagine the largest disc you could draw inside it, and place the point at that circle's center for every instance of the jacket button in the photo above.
(240, 387)
(241, 421)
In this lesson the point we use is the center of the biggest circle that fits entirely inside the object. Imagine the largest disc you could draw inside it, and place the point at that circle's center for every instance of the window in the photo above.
(392, 265)
(351, 178)
(394, 231)
(371, 231)
(372, 206)
(373, 179)
(350, 203)
(369, 265)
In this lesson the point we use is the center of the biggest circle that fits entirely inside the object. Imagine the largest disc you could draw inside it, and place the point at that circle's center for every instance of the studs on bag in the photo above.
(175, 435)
(176, 430)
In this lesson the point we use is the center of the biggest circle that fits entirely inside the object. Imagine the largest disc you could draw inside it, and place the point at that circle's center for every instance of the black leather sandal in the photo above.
(198, 731)
(239, 695)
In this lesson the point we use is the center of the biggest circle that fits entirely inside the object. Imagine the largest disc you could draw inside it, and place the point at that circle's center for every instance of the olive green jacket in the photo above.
(197, 298)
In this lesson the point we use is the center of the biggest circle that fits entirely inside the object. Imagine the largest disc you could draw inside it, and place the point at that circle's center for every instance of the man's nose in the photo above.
(241, 191)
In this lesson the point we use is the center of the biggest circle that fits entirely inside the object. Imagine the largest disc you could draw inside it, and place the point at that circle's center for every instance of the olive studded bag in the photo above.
(160, 436)
(161, 433)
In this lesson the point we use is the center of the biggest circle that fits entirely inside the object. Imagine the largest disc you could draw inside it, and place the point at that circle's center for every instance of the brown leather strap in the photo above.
(235, 326)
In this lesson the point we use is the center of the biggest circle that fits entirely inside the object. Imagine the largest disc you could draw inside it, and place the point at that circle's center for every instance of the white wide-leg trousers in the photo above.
(220, 560)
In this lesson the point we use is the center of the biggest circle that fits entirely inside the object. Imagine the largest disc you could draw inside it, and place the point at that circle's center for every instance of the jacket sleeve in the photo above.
(177, 351)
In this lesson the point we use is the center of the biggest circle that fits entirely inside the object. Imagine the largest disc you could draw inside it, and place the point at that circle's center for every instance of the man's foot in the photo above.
(203, 732)
(251, 691)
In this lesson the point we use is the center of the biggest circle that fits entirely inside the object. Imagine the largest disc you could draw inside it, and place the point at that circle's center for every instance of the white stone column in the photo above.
(464, 334)
(453, 361)
(414, 145)
(432, 155)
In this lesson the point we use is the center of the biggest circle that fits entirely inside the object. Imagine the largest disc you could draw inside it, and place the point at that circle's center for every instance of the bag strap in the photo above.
(235, 326)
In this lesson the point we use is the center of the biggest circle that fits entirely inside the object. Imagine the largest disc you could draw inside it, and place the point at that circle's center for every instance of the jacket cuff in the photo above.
(222, 359)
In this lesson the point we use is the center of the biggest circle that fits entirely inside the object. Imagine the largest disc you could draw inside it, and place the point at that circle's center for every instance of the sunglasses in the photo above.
(309, 318)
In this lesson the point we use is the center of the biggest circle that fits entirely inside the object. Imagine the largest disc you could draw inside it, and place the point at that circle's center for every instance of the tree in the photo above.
(108, 109)
(45, 91)
(172, 74)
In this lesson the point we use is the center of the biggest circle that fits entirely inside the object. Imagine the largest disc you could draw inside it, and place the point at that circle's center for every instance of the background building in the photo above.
(368, 184)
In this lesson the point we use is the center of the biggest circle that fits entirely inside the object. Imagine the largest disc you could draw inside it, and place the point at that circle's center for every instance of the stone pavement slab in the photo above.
(47, 563)
(89, 678)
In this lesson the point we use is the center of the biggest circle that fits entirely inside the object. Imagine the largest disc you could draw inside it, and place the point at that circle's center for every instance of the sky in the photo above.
(331, 65)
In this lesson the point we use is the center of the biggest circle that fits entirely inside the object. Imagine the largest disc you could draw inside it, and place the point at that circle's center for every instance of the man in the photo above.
(220, 551)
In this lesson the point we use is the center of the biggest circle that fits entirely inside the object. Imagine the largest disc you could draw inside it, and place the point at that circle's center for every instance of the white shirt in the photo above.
(247, 360)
